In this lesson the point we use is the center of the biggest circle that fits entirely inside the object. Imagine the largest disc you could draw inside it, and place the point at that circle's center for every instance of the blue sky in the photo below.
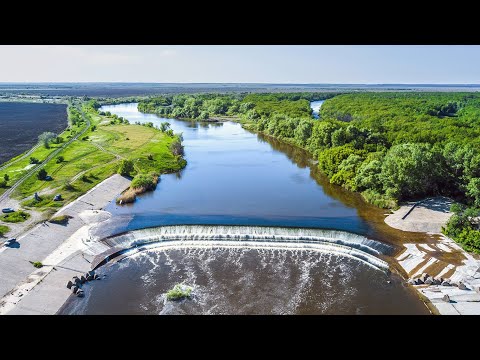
(263, 64)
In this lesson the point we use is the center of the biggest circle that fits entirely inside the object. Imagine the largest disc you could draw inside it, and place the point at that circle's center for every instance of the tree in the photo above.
(176, 148)
(60, 159)
(409, 170)
(34, 160)
(473, 190)
(46, 138)
(164, 126)
(126, 167)
(6, 177)
(42, 174)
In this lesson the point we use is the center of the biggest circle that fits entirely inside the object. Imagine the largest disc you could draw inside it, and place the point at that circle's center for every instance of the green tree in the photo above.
(164, 126)
(126, 167)
(6, 177)
(46, 138)
(42, 174)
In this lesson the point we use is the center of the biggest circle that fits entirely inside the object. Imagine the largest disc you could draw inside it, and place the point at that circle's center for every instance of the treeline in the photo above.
(204, 106)
(393, 147)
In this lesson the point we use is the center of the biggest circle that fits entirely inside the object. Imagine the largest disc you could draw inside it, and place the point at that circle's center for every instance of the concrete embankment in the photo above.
(60, 248)
(440, 259)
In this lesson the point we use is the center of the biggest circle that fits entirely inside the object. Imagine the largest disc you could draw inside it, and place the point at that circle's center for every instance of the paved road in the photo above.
(20, 181)
(40, 242)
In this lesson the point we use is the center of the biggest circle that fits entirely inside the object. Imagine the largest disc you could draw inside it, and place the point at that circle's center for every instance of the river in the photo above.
(236, 177)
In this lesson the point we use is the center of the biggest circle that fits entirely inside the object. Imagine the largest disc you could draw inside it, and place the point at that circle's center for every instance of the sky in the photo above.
(314, 64)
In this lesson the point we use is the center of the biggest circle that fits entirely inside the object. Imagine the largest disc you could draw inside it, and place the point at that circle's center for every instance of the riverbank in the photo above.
(64, 250)
(440, 258)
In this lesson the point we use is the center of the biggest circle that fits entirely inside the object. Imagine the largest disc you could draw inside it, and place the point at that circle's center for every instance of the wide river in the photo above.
(235, 177)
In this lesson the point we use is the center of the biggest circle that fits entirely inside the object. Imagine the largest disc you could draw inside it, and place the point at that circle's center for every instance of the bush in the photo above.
(126, 167)
(4, 229)
(141, 183)
(177, 148)
(3, 184)
(179, 292)
(42, 174)
(150, 157)
(34, 160)
(15, 217)
(85, 138)
(60, 159)
(147, 182)
(61, 220)
(36, 264)
(6, 177)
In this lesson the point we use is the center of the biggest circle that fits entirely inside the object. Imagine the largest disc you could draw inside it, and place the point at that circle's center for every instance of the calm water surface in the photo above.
(237, 177)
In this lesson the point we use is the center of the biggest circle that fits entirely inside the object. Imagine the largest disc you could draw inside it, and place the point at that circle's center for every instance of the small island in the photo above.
(179, 292)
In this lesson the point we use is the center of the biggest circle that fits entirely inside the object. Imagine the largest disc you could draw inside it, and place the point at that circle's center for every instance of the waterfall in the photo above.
(175, 236)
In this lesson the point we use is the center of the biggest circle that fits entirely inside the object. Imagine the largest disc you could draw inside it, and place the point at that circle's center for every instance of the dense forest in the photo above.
(390, 147)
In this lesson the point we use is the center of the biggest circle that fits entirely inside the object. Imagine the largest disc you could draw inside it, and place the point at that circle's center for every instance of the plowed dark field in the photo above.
(21, 123)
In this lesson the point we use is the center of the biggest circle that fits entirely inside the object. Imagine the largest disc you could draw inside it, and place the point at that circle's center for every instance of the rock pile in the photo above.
(426, 279)
(76, 283)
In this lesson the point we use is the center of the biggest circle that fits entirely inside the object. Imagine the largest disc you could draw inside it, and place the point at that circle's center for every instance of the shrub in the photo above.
(34, 160)
(126, 167)
(85, 138)
(6, 177)
(3, 184)
(36, 264)
(179, 292)
(4, 229)
(60, 159)
(61, 220)
(147, 182)
(42, 174)
(15, 217)
(150, 157)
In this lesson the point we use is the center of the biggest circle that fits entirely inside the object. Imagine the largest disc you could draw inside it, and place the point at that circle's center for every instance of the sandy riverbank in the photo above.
(65, 251)
(440, 257)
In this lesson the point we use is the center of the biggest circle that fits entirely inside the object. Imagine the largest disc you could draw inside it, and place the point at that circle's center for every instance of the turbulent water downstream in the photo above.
(234, 177)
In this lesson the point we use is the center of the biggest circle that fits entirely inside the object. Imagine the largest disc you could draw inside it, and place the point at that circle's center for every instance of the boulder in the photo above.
(96, 276)
(75, 289)
(69, 285)
(424, 277)
(83, 280)
(412, 281)
(419, 281)
(445, 283)
(89, 278)
(462, 286)
(446, 298)
(80, 293)
(91, 272)
(436, 281)
(429, 281)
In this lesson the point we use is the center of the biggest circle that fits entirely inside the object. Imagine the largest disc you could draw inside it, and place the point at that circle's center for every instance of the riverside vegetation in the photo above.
(108, 142)
(390, 147)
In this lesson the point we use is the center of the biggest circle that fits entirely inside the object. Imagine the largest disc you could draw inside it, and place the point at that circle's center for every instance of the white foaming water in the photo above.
(254, 237)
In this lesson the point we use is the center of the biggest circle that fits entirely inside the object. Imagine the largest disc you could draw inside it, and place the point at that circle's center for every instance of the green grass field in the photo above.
(88, 162)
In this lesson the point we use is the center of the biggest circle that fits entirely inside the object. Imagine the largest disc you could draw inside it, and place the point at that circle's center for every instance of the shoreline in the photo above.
(43, 291)
(439, 257)
(64, 250)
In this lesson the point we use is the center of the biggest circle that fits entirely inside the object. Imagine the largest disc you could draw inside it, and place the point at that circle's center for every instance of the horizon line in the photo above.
(223, 83)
